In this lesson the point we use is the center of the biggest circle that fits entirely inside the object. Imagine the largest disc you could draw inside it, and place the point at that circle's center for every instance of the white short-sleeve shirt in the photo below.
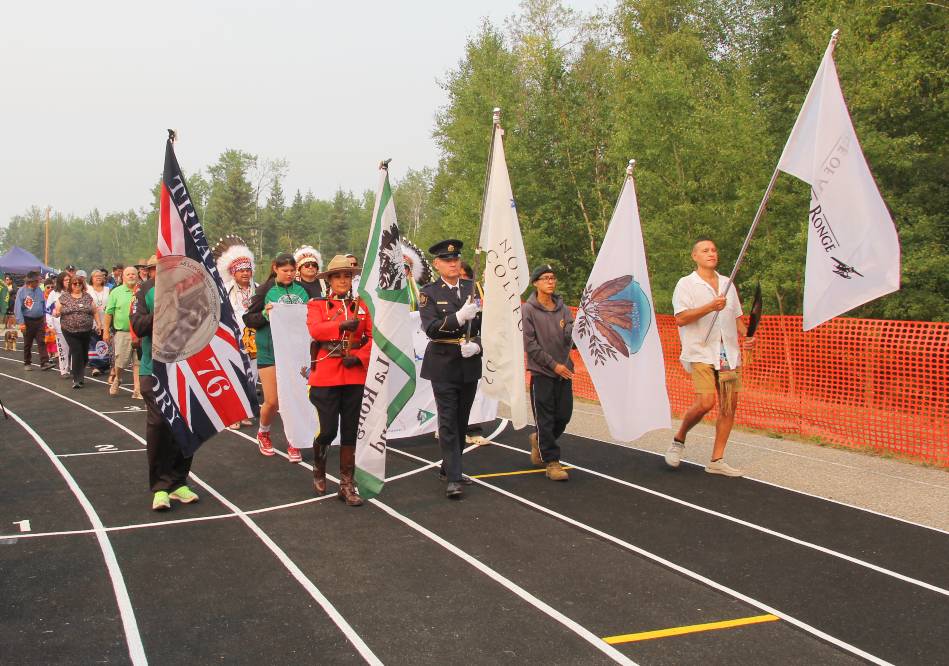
(693, 292)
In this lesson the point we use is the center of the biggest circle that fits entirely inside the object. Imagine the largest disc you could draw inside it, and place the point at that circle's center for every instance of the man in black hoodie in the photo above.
(548, 337)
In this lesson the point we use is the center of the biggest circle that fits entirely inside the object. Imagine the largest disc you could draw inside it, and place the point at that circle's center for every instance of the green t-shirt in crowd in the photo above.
(120, 300)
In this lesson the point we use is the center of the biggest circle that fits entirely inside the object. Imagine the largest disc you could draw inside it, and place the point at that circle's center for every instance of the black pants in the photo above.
(552, 402)
(35, 330)
(78, 352)
(338, 409)
(167, 468)
(453, 402)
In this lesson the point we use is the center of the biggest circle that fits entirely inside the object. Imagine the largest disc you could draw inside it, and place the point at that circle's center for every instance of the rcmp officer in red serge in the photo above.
(451, 318)
(341, 329)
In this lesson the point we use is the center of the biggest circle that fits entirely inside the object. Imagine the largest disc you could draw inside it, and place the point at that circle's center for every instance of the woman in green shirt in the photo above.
(279, 288)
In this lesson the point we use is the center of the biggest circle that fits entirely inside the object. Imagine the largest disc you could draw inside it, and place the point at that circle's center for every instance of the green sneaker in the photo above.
(184, 494)
(161, 502)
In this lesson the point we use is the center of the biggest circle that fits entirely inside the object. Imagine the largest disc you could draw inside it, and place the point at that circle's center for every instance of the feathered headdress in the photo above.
(231, 254)
(305, 252)
(421, 269)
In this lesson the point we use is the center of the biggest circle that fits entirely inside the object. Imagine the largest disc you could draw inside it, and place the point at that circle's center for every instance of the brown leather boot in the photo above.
(347, 467)
(556, 472)
(319, 468)
(535, 451)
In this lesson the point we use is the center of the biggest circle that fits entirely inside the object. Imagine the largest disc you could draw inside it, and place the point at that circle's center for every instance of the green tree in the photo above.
(271, 223)
(231, 205)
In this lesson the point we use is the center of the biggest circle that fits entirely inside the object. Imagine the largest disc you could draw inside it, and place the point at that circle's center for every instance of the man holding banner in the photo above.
(451, 318)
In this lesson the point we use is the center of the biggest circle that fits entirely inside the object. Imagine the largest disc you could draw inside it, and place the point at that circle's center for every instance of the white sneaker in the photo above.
(723, 468)
(476, 439)
(674, 454)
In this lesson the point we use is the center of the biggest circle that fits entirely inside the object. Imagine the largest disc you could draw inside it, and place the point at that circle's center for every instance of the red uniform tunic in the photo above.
(322, 319)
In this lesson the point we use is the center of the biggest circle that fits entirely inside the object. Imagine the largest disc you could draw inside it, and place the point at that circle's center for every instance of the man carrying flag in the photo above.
(714, 363)
(451, 318)
(390, 380)
(201, 376)
(168, 468)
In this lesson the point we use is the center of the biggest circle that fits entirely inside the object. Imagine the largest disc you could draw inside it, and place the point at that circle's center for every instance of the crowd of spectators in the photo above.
(75, 321)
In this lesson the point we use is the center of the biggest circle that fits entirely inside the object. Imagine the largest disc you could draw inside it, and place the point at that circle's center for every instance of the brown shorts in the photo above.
(705, 378)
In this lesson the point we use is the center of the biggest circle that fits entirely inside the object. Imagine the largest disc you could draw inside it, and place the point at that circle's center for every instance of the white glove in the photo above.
(467, 312)
(469, 349)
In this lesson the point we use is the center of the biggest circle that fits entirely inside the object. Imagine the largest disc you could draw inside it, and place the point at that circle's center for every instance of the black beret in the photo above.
(541, 270)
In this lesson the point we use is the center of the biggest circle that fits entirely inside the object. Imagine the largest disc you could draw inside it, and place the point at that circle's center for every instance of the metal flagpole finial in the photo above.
(384, 164)
(630, 167)
(496, 115)
(172, 135)
(833, 37)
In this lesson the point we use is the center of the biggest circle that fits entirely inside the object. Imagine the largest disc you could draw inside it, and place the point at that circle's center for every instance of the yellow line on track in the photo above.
(690, 629)
(523, 471)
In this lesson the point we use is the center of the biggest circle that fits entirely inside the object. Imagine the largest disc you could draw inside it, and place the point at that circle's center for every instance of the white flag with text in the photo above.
(853, 252)
(506, 277)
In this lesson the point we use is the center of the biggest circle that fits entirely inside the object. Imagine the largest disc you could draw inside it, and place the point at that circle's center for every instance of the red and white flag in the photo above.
(203, 376)
(853, 252)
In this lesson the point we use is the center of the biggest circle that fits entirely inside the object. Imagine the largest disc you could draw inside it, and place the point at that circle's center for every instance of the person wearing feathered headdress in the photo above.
(309, 262)
(235, 264)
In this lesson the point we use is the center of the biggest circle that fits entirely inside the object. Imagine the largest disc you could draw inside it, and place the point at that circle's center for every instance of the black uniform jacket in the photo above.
(443, 360)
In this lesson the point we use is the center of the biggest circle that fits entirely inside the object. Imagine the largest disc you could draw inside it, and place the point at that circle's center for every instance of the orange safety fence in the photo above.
(861, 383)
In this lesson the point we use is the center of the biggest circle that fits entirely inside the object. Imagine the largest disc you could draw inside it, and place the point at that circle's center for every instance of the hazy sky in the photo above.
(88, 89)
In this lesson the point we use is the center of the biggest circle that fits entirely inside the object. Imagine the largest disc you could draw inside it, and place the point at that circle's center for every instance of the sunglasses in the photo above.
(309, 264)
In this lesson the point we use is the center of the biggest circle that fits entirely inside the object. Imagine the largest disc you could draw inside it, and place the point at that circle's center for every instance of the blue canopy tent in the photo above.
(20, 262)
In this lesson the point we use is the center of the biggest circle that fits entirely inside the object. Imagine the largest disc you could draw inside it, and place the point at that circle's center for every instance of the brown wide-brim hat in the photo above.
(152, 262)
(339, 264)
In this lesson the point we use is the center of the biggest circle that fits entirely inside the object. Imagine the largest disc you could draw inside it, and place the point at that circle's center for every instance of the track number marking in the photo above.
(101, 448)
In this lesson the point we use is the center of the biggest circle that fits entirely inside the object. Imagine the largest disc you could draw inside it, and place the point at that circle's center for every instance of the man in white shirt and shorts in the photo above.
(713, 366)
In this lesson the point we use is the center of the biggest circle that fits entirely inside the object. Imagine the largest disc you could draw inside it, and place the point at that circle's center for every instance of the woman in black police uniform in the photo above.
(453, 356)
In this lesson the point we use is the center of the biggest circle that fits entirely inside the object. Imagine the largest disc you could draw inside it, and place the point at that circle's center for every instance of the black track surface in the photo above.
(213, 591)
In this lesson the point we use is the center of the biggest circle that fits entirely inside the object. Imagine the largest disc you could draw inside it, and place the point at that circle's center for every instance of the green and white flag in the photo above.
(390, 381)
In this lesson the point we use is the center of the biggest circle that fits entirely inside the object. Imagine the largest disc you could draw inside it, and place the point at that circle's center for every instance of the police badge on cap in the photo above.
(446, 249)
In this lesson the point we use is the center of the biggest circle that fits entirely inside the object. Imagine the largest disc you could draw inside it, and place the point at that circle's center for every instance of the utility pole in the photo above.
(46, 244)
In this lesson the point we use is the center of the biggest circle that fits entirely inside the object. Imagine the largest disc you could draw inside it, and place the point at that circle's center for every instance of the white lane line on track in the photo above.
(552, 612)
(578, 629)
(290, 565)
(97, 453)
(167, 523)
(750, 525)
(778, 485)
(680, 569)
(692, 574)
(132, 636)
